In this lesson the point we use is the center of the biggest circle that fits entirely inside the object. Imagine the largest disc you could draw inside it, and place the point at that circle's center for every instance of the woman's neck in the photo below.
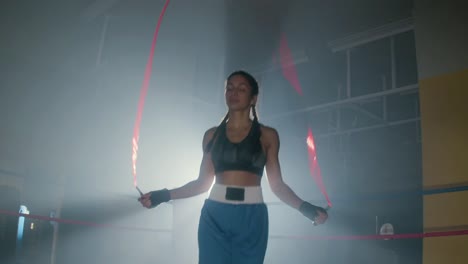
(239, 119)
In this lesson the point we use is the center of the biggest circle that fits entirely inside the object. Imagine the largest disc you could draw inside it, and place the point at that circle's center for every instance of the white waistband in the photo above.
(251, 194)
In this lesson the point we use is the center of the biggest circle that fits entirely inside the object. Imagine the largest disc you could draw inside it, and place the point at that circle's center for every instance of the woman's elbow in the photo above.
(206, 185)
(276, 187)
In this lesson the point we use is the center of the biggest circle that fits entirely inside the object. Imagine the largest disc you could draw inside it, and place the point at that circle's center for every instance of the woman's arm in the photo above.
(273, 169)
(193, 188)
(205, 176)
(279, 187)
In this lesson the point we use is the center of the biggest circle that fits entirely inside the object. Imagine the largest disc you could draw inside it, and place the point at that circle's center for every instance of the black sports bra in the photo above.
(246, 155)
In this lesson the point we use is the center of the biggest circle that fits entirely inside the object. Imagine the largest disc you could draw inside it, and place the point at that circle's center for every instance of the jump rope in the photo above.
(289, 72)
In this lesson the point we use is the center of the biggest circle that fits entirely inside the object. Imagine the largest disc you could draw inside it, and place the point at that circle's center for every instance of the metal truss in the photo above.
(355, 103)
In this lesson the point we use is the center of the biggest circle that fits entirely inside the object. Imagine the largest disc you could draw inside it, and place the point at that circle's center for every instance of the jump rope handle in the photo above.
(138, 189)
(326, 209)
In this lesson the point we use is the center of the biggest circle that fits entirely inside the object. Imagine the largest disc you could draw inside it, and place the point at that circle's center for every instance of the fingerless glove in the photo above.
(159, 196)
(310, 211)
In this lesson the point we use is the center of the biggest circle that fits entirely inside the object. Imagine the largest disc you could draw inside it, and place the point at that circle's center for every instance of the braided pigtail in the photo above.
(215, 135)
(256, 129)
(254, 113)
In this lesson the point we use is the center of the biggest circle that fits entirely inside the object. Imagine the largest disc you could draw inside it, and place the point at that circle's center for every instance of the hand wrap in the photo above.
(311, 211)
(159, 196)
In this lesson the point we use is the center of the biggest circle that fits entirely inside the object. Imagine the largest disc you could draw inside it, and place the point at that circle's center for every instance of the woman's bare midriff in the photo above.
(238, 178)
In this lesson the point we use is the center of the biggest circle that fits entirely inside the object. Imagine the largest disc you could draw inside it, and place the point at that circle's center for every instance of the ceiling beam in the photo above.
(342, 102)
(374, 34)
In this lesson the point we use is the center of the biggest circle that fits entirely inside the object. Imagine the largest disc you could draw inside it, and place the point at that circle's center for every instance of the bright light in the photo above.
(134, 157)
(310, 143)
(19, 234)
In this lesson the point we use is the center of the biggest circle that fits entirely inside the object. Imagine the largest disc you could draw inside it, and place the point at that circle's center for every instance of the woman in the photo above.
(233, 224)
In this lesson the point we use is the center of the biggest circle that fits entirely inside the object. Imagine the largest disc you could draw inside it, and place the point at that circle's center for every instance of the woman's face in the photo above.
(239, 94)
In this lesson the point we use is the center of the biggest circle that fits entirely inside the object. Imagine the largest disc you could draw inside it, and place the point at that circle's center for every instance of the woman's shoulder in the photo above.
(269, 132)
(209, 133)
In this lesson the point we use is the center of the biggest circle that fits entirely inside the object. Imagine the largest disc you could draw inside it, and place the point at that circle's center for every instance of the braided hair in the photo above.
(255, 125)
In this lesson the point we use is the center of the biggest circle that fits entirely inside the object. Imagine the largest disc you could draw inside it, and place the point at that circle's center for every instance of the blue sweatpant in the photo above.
(232, 233)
